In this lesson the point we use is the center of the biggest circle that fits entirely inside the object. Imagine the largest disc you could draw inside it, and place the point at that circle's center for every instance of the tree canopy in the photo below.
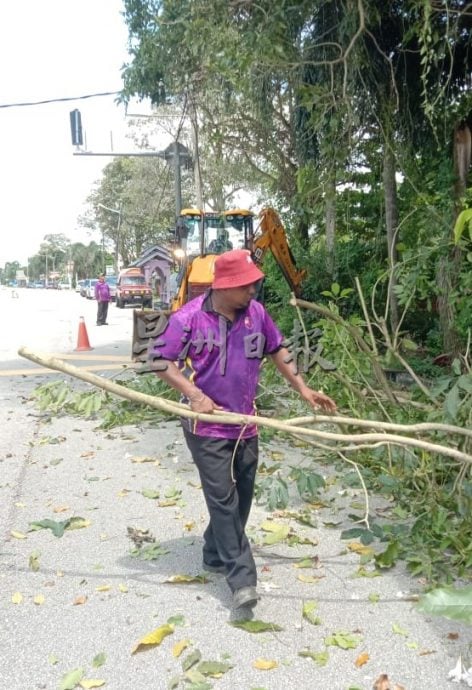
(345, 111)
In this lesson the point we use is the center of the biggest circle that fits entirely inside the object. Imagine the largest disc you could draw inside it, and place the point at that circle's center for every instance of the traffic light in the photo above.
(76, 127)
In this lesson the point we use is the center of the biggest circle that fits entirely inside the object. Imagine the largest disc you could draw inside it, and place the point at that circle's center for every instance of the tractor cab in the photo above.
(239, 227)
(201, 233)
(188, 233)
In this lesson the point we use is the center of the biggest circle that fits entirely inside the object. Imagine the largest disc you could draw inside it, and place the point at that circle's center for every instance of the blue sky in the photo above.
(53, 49)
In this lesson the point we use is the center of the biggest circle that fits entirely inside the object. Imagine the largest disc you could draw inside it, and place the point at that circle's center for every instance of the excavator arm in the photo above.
(271, 235)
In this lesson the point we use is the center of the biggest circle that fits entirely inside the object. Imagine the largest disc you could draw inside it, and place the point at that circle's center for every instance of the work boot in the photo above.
(246, 596)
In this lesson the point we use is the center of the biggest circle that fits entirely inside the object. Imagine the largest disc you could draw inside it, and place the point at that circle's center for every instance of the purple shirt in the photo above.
(221, 357)
(102, 292)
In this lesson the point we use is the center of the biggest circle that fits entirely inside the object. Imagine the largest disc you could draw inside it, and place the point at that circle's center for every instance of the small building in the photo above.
(156, 263)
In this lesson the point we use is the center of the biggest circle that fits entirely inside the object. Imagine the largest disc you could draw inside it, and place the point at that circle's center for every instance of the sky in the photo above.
(53, 49)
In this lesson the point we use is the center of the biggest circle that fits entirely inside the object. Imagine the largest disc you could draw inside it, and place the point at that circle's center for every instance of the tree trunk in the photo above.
(391, 222)
(219, 192)
(196, 155)
(444, 282)
(449, 266)
(330, 222)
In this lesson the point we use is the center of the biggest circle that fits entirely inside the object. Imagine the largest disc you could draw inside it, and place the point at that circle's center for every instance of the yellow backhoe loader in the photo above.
(200, 238)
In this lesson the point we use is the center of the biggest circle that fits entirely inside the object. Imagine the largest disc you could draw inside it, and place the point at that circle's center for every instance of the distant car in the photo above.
(78, 285)
(38, 284)
(90, 289)
(63, 286)
(84, 286)
(111, 281)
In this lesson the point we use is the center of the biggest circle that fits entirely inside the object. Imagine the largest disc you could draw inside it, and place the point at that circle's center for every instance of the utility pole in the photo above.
(119, 213)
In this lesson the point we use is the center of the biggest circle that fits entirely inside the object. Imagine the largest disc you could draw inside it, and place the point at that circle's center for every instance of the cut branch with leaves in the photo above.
(286, 426)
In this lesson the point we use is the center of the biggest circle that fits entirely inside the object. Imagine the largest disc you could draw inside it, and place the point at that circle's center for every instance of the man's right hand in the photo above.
(204, 405)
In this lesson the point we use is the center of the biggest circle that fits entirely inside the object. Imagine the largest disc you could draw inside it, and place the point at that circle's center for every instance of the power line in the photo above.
(59, 100)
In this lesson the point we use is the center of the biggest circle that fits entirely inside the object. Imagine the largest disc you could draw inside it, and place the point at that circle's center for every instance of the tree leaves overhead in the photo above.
(295, 86)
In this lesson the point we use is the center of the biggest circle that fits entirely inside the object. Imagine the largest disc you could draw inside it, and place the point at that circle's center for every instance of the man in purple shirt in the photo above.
(102, 295)
(213, 349)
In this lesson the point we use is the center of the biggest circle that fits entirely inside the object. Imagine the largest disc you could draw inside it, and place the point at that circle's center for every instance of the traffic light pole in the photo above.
(175, 154)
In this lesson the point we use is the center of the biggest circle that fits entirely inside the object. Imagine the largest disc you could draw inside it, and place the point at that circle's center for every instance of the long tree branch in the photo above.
(237, 419)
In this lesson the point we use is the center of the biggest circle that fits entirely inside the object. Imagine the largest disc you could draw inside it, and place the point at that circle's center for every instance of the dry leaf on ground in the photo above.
(153, 638)
(265, 664)
(382, 682)
(179, 647)
(362, 659)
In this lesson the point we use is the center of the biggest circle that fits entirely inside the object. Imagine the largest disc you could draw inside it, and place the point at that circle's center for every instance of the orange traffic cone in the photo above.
(82, 338)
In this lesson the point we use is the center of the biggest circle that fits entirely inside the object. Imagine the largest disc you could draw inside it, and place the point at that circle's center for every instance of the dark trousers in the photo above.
(228, 488)
(102, 312)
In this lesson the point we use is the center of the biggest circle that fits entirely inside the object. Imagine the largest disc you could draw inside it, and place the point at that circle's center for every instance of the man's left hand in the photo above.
(318, 400)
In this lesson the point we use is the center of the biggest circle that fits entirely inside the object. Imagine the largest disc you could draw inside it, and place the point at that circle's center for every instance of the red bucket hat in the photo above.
(235, 269)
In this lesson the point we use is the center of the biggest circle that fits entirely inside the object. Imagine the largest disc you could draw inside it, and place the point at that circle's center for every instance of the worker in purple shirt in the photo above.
(102, 295)
(212, 349)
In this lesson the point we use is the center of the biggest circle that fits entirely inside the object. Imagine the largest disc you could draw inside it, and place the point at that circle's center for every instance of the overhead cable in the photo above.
(59, 100)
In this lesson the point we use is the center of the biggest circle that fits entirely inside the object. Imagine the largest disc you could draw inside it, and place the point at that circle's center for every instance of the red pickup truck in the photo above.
(131, 288)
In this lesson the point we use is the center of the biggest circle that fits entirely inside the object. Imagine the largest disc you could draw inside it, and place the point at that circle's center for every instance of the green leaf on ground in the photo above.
(99, 660)
(191, 659)
(256, 626)
(149, 553)
(342, 639)
(59, 527)
(364, 572)
(320, 658)
(398, 630)
(389, 557)
(213, 668)
(455, 604)
(199, 686)
(308, 612)
(150, 493)
(33, 561)
(195, 678)
(304, 563)
(71, 679)
(178, 619)
(277, 532)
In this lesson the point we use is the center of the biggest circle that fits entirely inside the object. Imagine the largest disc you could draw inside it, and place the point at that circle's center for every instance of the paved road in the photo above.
(84, 593)
(48, 321)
